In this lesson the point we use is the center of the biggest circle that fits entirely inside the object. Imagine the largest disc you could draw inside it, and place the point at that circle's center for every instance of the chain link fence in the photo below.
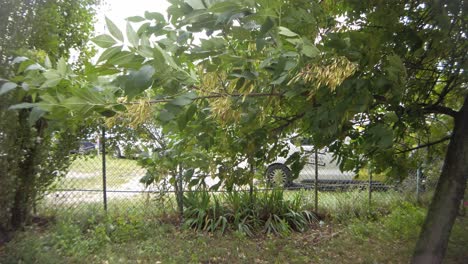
(105, 181)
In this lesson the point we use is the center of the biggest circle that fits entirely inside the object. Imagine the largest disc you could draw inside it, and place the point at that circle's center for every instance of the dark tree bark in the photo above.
(22, 203)
(435, 233)
(25, 192)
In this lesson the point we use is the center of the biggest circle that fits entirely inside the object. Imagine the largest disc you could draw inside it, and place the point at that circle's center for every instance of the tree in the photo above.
(362, 77)
(34, 151)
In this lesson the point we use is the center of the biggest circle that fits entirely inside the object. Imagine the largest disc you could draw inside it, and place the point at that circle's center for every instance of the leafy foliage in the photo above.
(266, 69)
(269, 212)
(34, 151)
(368, 79)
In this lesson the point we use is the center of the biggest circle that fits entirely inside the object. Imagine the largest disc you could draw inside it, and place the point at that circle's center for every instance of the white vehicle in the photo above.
(279, 173)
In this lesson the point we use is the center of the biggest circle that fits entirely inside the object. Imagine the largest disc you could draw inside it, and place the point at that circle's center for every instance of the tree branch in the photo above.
(166, 100)
(426, 145)
(440, 109)
(288, 122)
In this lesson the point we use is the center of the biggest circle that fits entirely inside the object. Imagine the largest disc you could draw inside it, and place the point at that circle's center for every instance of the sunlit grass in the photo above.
(86, 173)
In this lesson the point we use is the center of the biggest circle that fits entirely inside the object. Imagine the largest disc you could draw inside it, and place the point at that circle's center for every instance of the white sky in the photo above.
(118, 10)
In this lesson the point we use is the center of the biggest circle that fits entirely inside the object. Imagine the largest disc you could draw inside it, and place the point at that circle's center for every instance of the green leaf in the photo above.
(22, 106)
(108, 113)
(77, 104)
(53, 78)
(143, 28)
(34, 67)
(132, 36)
(266, 26)
(34, 115)
(47, 62)
(166, 57)
(382, 135)
(121, 58)
(248, 75)
(25, 86)
(194, 182)
(188, 174)
(109, 53)
(280, 79)
(184, 99)
(119, 108)
(196, 4)
(165, 115)
(191, 112)
(19, 60)
(50, 83)
(145, 43)
(155, 15)
(62, 66)
(49, 99)
(138, 81)
(114, 30)
(104, 41)
(286, 32)
(295, 41)
(310, 51)
(135, 19)
(145, 49)
(6, 87)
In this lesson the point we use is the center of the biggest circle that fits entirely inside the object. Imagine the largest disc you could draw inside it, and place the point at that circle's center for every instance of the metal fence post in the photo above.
(104, 183)
(418, 181)
(370, 187)
(316, 180)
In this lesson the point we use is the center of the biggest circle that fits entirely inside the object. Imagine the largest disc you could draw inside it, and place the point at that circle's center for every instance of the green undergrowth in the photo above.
(268, 212)
(143, 234)
(135, 238)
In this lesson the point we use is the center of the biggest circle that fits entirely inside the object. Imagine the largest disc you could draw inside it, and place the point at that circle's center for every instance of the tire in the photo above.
(273, 171)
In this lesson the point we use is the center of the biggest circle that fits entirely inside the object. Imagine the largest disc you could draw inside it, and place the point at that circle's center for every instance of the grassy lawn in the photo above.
(144, 234)
(86, 173)
(159, 242)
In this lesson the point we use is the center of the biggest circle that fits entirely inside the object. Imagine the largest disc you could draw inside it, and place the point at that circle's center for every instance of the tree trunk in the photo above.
(29, 140)
(435, 233)
(178, 184)
(24, 192)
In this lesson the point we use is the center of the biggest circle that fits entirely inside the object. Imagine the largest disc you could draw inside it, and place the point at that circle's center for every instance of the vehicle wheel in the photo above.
(278, 175)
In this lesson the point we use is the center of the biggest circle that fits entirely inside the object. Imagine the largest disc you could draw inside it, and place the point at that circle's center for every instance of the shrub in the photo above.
(268, 212)
(405, 220)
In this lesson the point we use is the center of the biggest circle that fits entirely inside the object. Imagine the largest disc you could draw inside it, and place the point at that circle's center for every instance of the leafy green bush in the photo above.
(403, 223)
(268, 212)
(342, 207)
(405, 220)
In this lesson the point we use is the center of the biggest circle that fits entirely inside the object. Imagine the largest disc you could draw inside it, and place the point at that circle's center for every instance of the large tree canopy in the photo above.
(369, 79)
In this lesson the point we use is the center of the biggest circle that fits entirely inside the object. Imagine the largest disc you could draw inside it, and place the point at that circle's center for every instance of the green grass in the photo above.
(342, 206)
(86, 173)
(144, 229)
(134, 236)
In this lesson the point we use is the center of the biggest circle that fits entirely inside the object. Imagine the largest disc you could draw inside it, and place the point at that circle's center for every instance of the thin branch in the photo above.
(288, 122)
(166, 100)
(426, 145)
(439, 109)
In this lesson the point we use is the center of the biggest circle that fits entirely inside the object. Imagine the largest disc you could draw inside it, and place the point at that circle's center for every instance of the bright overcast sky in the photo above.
(118, 10)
